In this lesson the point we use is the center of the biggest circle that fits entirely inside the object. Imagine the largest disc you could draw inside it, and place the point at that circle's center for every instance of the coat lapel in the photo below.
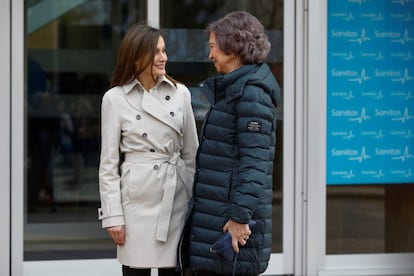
(156, 109)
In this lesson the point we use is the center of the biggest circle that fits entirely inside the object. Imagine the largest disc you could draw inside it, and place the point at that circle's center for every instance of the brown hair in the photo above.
(136, 52)
(241, 33)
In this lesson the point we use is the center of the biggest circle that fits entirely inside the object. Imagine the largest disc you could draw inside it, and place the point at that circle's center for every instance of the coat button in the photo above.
(167, 97)
(138, 117)
(156, 167)
(152, 150)
(144, 135)
(172, 114)
(101, 213)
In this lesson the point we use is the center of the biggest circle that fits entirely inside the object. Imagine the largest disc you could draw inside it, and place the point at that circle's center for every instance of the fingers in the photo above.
(117, 234)
(235, 244)
(238, 240)
(243, 240)
(240, 234)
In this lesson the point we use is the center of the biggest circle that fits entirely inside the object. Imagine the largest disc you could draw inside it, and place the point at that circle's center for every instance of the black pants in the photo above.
(207, 273)
(127, 271)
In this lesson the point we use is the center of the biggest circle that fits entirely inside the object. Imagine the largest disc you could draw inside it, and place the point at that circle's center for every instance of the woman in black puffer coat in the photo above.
(233, 180)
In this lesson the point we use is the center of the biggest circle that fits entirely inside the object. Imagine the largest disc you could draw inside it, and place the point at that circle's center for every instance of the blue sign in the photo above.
(370, 92)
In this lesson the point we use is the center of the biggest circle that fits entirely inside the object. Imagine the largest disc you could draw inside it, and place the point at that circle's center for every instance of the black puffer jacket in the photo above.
(234, 168)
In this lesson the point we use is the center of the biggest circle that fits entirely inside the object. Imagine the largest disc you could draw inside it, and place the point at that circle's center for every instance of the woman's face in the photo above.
(157, 68)
(223, 62)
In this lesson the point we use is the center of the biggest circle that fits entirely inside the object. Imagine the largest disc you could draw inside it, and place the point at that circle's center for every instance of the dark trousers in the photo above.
(127, 271)
(207, 273)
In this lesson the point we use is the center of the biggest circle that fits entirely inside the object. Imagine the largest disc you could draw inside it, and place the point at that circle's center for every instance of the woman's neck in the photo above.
(147, 83)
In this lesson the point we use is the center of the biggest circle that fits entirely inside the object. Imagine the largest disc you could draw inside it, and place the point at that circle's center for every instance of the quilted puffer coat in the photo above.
(233, 177)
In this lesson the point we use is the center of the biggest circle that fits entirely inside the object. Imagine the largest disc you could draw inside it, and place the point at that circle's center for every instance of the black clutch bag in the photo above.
(223, 246)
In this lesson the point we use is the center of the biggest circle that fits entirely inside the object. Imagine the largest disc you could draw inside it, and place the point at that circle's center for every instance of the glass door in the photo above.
(185, 23)
(70, 53)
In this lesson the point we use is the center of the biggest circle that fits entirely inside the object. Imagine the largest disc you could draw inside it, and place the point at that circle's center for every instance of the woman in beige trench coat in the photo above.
(149, 141)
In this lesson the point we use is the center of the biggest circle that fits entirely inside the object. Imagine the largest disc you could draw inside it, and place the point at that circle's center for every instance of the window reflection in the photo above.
(70, 47)
(184, 23)
(366, 219)
(70, 53)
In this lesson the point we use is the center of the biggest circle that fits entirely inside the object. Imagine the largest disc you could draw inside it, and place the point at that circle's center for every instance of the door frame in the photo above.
(5, 166)
(16, 133)
(280, 263)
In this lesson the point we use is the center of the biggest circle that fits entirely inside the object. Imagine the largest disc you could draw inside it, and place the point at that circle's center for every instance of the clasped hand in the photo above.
(239, 233)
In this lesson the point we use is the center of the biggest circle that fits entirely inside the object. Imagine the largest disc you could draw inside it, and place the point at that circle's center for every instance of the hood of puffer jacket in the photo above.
(231, 85)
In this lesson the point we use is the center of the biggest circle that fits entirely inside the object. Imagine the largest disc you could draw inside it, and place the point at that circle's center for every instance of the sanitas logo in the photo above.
(402, 173)
(345, 73)
(390, 152)
(387, 113)
(343, 55)
(388, 73)
(345, 135)
(403, 156)
(343, 15)
(344, 113)
(342, 94)
(378, 34)
(344, 152)
(404, 77)
(402, 16)
(347, 34)
(404, 38)
(351, 154)
(374, 56)
(403, 56)
(401, 2)
(406, 134)
(406, 95)
(373, 173)
(373, 16)
(404, 117)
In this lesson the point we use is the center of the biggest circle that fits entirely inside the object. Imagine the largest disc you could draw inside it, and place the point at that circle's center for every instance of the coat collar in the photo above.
(134, 82)
(231, 85)
(228, 85)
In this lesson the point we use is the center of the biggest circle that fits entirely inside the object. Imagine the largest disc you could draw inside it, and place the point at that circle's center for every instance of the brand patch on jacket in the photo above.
(254, 126)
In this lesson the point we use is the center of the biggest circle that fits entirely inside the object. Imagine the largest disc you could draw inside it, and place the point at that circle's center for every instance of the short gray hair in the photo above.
(241, 33)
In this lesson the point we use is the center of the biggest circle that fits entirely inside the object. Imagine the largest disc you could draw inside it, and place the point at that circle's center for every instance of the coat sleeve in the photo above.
(255, 118)
(109, 178)
(190, 138)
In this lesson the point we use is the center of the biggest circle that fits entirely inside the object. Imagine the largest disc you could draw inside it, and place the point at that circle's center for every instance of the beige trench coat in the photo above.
(154, 131)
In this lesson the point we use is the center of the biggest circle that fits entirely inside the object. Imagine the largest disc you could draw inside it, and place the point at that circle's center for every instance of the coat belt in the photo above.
(172, 166)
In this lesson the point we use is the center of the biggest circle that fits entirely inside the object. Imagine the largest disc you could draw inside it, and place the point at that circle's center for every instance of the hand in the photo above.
(117, 233)
(239, 233)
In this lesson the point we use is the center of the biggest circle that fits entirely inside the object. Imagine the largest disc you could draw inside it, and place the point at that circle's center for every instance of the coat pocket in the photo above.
(143, 184)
